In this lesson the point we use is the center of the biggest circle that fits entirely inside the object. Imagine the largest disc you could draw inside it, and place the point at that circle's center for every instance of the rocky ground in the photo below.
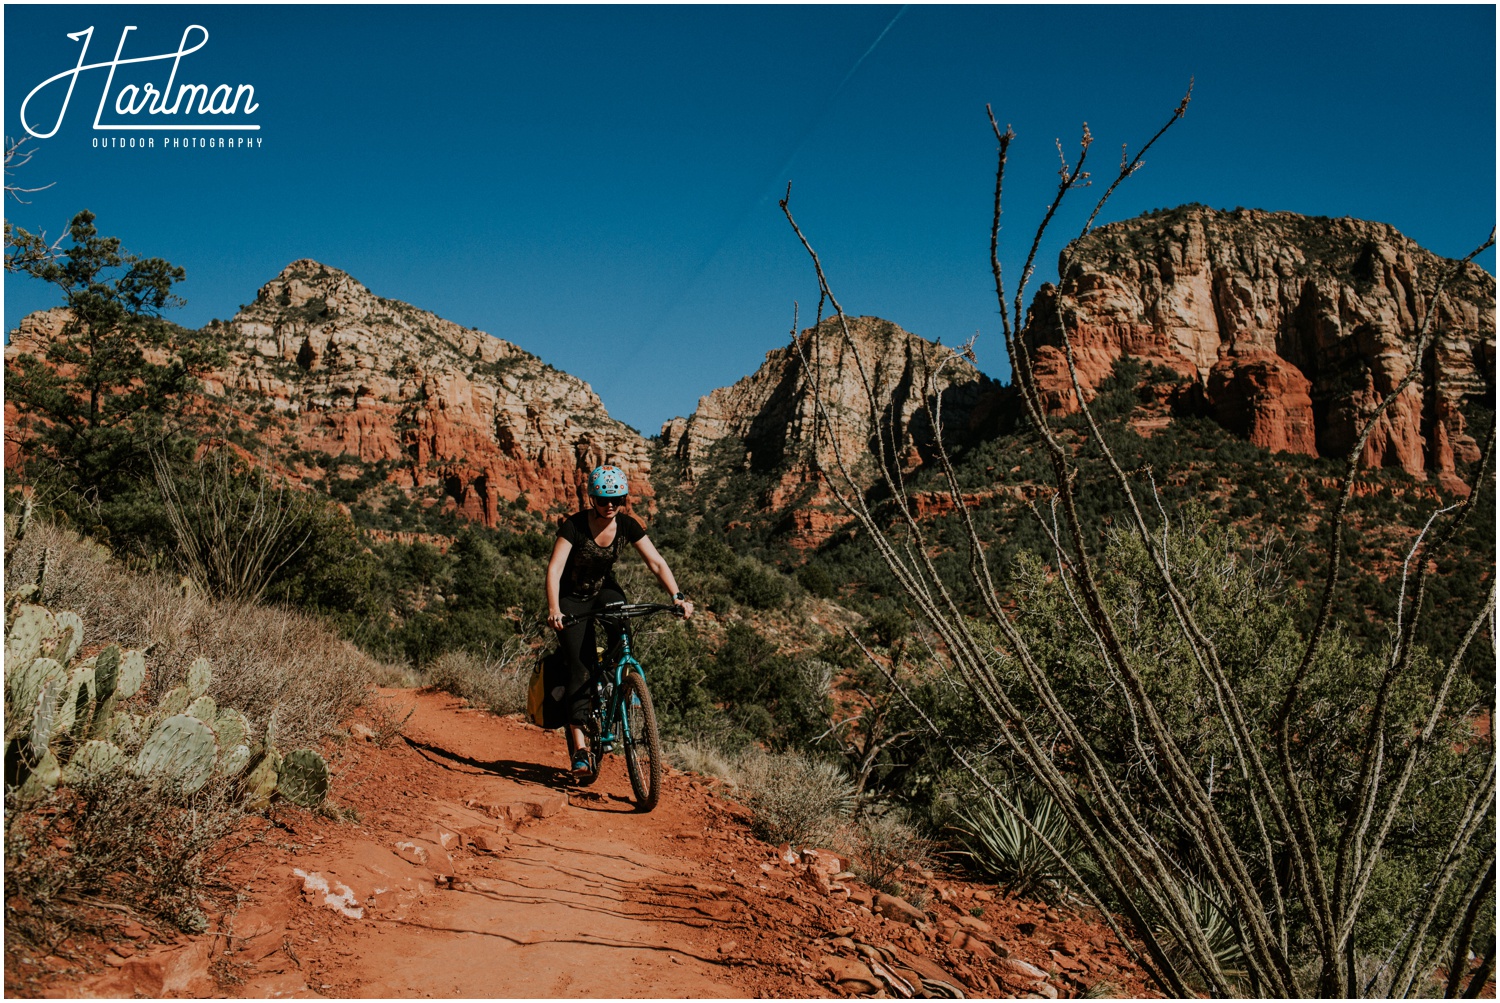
(459, 861)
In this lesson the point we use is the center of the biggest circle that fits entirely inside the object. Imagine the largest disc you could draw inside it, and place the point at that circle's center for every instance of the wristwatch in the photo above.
(679, 596)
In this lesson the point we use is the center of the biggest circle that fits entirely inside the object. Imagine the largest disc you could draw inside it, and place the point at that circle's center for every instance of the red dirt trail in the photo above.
(469, 866)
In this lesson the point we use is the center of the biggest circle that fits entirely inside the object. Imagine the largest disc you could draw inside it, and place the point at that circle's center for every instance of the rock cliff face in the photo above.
(1291, 328)
(765, 424)
(442, 405)
(324, 366)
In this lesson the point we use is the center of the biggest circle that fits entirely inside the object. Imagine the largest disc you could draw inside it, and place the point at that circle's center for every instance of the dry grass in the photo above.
(498, 685)
(264, 658)
(793, 799)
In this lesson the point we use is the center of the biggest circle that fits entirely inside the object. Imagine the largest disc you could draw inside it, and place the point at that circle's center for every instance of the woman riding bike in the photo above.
(580, 580)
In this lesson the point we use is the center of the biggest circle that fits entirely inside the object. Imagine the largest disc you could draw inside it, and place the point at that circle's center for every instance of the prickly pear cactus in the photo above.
(44, 718)
(125, 729)
(80, 712)
(131, 675)
(232, 728)
(181, 748)
(175, 702)
(94, 759)
(22, 687)
(106, 672)
(204, 709)
(200, 675)
(233, 759)
(32, 627)
(303, 778)
(260, 783)
(43, 778)
(70, 636)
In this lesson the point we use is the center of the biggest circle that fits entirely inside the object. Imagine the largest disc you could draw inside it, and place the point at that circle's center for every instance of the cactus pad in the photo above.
(23, 642)
(232, 728)
(70, 636)
(125, 729)
(303, 778)
(181, 748)
(204, 709)
(106, 672)
(44, 778)
(175, 702)
(260, 782)
(24, 683)
(81, 697)
(131, 675)
(200, 675)
(93, 759)
(44, 718)
(234, 759)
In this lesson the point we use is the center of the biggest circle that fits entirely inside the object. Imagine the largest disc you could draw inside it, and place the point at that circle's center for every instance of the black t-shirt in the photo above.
(589, 565)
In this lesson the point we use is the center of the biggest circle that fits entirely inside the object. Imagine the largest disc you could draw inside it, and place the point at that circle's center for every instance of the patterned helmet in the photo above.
(608, 482)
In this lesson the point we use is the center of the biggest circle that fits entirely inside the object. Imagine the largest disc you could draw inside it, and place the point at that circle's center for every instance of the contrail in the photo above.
(758, 196)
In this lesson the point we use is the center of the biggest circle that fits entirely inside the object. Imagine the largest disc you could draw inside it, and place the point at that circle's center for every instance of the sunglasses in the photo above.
(616, 502)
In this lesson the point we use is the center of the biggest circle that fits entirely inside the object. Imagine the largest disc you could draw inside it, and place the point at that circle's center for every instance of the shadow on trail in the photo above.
(511, 769)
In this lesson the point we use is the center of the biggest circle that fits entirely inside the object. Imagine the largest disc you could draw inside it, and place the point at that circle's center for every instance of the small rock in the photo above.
(898, 909)
(983, 896)
(974, 923)
(412, 853)
(843, 931)
(845, 969)
(361, 733)
(729, 947)
(1024, 969)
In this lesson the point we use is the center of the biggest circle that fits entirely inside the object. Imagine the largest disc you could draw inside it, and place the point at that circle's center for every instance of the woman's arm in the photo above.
(560, 551)
(658, 566)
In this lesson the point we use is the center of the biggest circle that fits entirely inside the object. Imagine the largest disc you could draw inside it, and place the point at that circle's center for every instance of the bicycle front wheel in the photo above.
(642, 743)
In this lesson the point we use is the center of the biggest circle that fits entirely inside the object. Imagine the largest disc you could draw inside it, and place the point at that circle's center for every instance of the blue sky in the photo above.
(599, 185)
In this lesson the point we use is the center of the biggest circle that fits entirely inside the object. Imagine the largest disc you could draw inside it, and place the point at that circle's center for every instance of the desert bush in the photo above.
(130, 841)
(793, 799)
(264, 658)
(498, 686)
(882, 843)
(697, 755)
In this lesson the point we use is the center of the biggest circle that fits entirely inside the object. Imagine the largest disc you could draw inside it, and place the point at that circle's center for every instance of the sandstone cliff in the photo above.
(323, 366)
(765, 423)
(1291, 328)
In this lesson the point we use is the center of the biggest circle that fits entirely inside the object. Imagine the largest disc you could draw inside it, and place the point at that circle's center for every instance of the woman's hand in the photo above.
(555, 619)
(687, 608)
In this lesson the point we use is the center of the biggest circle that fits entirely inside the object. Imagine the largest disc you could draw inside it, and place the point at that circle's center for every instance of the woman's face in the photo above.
(605, 508)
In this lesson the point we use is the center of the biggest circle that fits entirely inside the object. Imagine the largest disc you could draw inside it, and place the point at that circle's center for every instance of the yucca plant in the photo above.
(999, 845)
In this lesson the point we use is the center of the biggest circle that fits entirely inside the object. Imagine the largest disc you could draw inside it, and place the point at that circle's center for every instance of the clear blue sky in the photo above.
(599, 185)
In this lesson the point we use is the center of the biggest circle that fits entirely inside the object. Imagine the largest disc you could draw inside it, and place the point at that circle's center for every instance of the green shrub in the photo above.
(793, 799)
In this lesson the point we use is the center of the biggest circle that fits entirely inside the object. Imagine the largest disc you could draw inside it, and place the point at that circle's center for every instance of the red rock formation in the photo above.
(1261, 396)
(1295, 327)
(336, 370)
(765, 423)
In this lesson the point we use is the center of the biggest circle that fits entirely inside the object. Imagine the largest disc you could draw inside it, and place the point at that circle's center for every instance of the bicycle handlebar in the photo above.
(626, 611)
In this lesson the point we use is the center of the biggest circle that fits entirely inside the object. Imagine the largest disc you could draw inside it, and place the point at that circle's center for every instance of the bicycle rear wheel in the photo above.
(642, 743)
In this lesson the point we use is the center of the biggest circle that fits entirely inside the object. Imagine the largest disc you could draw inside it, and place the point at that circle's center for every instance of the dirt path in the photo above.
(468, 866)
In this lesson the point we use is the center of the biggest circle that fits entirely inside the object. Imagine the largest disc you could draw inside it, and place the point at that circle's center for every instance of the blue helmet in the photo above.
(608, 482)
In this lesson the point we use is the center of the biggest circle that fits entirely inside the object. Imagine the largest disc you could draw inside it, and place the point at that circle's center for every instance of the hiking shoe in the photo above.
(581, 765)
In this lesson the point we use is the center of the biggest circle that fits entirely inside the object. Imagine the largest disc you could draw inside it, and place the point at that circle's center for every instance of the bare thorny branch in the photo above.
(1099, 812)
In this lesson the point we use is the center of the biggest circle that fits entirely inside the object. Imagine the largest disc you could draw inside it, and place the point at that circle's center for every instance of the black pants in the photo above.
(577, 643)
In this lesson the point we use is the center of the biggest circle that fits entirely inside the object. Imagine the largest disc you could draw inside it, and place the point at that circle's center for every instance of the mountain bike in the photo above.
(623, 719)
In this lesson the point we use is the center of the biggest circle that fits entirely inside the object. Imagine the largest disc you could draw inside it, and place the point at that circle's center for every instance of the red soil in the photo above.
(475, 869)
